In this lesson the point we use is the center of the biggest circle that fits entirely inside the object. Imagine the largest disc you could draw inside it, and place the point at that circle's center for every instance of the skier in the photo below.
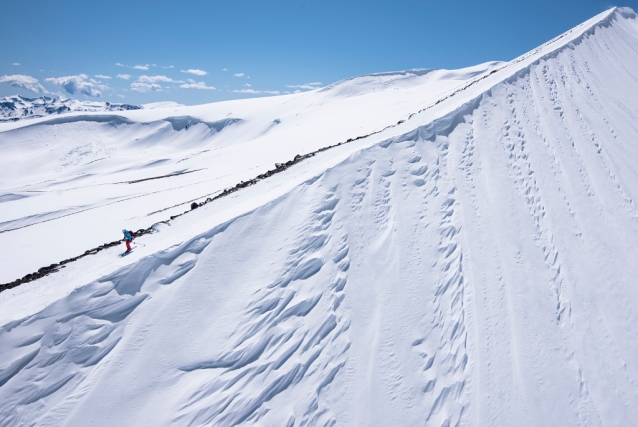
(128, 238)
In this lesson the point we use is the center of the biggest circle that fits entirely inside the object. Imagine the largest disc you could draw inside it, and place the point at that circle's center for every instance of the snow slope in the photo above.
(475, 264)
(13, 108)
(90, 175)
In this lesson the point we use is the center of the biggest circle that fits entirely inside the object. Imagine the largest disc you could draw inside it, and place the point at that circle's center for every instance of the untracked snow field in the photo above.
(471, 262)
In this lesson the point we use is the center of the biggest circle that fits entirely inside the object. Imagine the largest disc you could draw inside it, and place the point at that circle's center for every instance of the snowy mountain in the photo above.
(16, 107)
(464, 253)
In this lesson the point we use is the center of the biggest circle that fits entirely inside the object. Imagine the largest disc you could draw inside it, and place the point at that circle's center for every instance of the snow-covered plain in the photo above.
(473, 262)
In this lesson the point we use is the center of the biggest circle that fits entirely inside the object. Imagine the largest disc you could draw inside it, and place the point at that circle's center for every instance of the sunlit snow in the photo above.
(472, 260)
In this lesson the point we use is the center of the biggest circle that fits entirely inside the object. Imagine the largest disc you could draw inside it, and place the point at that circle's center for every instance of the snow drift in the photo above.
(472, 261)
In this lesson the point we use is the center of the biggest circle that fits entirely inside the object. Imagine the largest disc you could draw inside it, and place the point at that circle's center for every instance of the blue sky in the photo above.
(195, 52)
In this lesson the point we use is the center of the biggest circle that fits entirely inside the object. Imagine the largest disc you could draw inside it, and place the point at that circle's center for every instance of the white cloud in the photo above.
(124, 76)
(78, 84)
(224, 69)
(16, 63)
(100, 76)
(239, 75)
(168, 66)
(155, 79)
(136, 67)
(247, 84)
(151, 83)
(24, 82)
(145, 87)
(195, 85)
(121, 96)
(196, 72)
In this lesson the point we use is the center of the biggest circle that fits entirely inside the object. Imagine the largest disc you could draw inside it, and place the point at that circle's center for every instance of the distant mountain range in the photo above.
(16, 107)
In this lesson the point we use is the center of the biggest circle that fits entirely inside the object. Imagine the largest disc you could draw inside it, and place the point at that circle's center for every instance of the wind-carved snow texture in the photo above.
(55, 352)
(477, 270)
(294, 331)
(292, 341)
(443, 347)
(293, 335)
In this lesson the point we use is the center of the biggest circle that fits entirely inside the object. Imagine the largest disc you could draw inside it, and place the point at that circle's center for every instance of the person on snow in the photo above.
(128, 238)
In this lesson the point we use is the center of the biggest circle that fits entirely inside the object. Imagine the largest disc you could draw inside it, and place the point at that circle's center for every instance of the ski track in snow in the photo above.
(476, 270)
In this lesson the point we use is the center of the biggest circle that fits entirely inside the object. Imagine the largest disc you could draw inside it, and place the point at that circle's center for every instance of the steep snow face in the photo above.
(13, 108)
(474, 267)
